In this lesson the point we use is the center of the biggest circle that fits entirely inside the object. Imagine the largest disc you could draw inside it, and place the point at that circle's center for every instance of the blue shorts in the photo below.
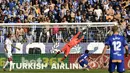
(83, 62)
(120, 66)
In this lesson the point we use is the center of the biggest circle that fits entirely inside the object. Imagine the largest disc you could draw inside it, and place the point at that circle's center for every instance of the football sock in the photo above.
(10, 65)
(88, 67)
(6, 64)
(63, 58)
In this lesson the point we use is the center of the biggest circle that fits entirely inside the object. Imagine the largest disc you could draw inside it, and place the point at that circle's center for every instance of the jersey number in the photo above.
(116, 45)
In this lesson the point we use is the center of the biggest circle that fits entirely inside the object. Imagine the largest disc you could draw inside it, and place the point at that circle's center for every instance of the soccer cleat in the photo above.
(4, 69)
(87, 69)
(62, 59)
(11, 70)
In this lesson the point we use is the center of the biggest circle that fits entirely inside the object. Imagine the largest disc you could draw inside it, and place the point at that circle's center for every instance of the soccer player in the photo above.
(82, 60)
(116, 43)
(73, 42)
(8, 51)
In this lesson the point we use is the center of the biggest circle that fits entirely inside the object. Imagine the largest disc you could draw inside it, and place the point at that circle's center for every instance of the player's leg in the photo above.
(65, 56)
(86, 66)
(66, 52)
(81, 64)
(112, 66)
(7, 62)
(62, 50)
(10, 61)
(121, 67)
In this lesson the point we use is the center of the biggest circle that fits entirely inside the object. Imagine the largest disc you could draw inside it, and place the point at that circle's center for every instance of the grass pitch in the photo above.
(60, 71)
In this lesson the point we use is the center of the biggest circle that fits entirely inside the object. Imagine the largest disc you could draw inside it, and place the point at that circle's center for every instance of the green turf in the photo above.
(59, 71)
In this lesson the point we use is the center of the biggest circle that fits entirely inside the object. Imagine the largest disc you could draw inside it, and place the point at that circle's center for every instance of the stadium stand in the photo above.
(60, 11)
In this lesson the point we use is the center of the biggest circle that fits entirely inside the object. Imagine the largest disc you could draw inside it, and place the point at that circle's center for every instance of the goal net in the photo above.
(54, 35)
(37, 42)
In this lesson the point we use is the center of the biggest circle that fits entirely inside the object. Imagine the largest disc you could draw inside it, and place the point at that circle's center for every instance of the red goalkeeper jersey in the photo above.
(74, 41)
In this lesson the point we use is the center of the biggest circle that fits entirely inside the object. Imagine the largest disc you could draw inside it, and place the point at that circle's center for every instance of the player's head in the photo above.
(86, 51)
(128, 27)
(9, 36)
(115, 29)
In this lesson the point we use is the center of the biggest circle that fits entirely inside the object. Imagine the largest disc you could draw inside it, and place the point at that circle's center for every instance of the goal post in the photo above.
(89, 24)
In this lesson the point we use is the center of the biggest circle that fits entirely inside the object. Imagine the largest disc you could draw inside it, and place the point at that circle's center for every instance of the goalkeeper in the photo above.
(76, 39)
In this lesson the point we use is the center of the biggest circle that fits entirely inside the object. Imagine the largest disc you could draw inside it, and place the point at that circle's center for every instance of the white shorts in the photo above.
(8, 55)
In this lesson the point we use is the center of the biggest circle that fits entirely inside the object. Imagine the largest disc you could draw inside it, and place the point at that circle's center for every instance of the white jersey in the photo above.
(8, 44)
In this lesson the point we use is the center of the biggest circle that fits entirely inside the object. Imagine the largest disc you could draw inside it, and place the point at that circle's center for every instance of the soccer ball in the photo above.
(55, 50)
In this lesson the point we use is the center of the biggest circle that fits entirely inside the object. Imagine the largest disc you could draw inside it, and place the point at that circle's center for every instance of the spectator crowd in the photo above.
(59, 11)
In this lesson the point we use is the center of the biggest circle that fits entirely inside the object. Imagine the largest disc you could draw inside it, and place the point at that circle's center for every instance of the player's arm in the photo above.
(76, 35)
(5, 48)
(106, 46)
(81, 60)
(104, 50)
(126, 49)
(76, 61)
(81, 39)
(15, 47)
